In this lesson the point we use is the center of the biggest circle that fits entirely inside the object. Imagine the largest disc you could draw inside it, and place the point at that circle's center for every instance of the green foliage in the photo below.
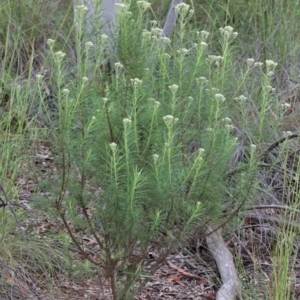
(167, 142)
(158, 147)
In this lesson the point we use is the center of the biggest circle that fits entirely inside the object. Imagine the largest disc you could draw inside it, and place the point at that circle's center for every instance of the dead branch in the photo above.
(224, 260)
(280, 141)
(254, 217)
(273, 206)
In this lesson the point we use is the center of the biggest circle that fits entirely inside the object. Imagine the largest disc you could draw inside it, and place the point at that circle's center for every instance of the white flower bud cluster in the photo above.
(250, 62)
(103, 39)
(183, 51)
(204, 35)
(88, 45)
(220, 97)
(113, 147)
(241, 98)
(170, 120)
(119, 66)
(122, 7)
(182, 8)
(143, 5)
(228, 33)
(155, 158)
(156, 104)
(81, 9)
(173, 88)
(60, 54)
(183, 11)
(215, 59)
(126, 122)
(287, 134)
(50, 42)
(136, 81)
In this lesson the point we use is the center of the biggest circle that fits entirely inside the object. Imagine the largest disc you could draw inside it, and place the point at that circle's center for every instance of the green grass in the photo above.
(173, 139)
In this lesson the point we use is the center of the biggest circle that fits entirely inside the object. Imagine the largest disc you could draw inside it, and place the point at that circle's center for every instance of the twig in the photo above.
(280, 141)
(2, 202)
(264, 153)
(183, 272)
(272, 219)
(273, 206)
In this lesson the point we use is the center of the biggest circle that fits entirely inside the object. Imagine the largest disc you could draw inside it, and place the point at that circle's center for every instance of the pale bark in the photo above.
(224, 260)
(101, 18)
(171, 19)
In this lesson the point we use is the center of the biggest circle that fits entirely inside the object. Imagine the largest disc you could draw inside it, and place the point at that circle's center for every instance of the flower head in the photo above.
(60, 54)
(287, 133)
(103, 38)
(285, 105)
(136, 81)
(88, 45)
(165, 40)
(113, 147)
(229, 127)
(66, 91)
(143, 5)
(173, 88)
(220, 97)
(156, 104)
(126, 122)
(182, 9)
(241, 98)
(39, 77)
(50, 43)
(226, 120)
(271, 63)
(204, 35)
(250, 62)
(203, 44)
(227, 33)
(258, 64)
(81, 8)
(119, 66)
(183, 51)
(155, 158)
(170, 120)
(122, 7)
(156, 32)
(153, 23)
(215, 59)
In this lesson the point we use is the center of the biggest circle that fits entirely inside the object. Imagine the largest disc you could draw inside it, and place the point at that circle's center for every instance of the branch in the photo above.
(224, 261)
(272, 206)
(280, 141)
(171, 19)
(72, 236)
(108, 21)
(101, 18)
(259, 218)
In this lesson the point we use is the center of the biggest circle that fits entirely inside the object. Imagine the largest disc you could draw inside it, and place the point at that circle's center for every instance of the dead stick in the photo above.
(224, 260)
